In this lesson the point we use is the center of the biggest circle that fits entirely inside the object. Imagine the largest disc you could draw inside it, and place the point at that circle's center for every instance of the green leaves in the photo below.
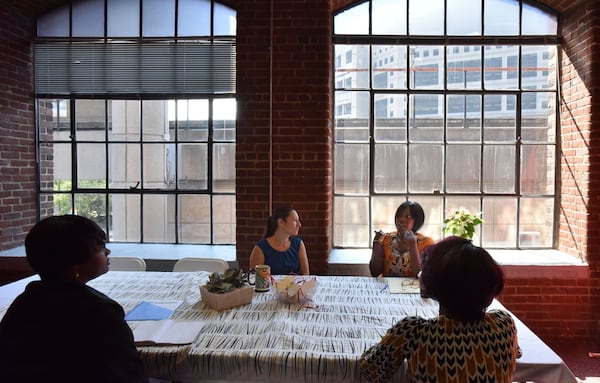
(230, 280)
(462, 223)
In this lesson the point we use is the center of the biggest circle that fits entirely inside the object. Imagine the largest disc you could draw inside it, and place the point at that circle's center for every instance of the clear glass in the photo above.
(155, 121)
(192, 119)
(390, 117)
(538, 123)
(538, 22)
(124, 166)
(463, 17)
(158, 18)
(537, 169)
(389, 66)
(351, 217)
(158, 220)
(224, 119)
(123, 18)
(125, 218)
(463, 118)
(192, 167)
(539, 67)
(193, 18)
(225, 20)
(158, 166)
(501, 70)
(463, 67)
(536, 220)
(55, 167)
(390, 168)
(426, 17)
(224, 219)
(92, 206)
(352, 21)
(124, 120)
(352, 65)
(352, 111)
(425, 168)
(90, 120)
(55, 120)
(508, 24)
(383, 212)
(389, 17)
(224, 168)
(463, 168)
(426, 118)
(499, 120)
(426, 67)
(88, 18)
(499, 168)
(351, 169)
(194, 218)
(91, 166)
(433, 208)
(63, 204)
(54, 23)
(500, 227)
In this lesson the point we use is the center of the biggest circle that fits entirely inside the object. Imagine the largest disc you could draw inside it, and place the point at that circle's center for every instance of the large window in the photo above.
(446, 104)
(137, 118)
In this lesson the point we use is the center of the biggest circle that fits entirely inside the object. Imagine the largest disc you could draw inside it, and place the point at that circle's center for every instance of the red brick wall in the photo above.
(17, 134)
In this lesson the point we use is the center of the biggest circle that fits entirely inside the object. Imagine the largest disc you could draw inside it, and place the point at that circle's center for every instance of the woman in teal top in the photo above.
(281, 248)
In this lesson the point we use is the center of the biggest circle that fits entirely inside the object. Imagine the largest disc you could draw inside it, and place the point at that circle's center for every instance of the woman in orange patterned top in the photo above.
(464, 343)
(398, 253)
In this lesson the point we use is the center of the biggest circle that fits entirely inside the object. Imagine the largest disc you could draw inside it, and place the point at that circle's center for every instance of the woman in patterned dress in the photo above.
(465, 343)
(398, 253)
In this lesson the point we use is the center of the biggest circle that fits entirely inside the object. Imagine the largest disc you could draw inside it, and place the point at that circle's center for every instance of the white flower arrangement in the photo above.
(462, 223)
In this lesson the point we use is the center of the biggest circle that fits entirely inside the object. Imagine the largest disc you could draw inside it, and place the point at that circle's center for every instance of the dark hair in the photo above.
(279, 213)
(56, 243)
(462, 277)
(416, 212)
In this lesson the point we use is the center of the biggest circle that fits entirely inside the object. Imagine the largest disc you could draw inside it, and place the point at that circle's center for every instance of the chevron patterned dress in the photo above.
(444, 350)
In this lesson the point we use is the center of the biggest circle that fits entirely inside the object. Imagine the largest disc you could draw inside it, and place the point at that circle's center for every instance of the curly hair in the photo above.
(462, 277)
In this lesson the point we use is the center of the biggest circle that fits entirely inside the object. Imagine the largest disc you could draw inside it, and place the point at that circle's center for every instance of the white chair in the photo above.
(213, 265)
(127, 264)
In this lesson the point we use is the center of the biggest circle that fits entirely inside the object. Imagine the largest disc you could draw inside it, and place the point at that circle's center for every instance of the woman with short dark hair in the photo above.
(59, 329)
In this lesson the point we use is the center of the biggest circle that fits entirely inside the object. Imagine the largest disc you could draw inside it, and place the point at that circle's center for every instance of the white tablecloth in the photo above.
(278, 342)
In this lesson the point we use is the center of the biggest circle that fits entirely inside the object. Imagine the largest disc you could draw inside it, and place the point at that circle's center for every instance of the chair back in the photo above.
(213, 265)
(127, 264)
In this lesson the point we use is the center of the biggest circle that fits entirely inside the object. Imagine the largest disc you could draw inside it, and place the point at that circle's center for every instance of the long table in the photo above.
(272, 341)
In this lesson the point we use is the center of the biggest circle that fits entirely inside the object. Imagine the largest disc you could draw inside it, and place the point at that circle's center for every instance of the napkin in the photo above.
(152, 311)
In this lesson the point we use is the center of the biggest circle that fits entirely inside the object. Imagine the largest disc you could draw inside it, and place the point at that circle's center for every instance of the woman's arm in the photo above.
(377, 255)
(256, 257)
(410, 239)
(303, 259)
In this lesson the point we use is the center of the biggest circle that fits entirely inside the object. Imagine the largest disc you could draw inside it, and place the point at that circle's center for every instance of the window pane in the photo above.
(384, 210)
(352, 21)
(225, 20)
(538, 124)
(463, 167)
(125, 218)
(155, 126)
(123, 18)
(499, 168)
(124, 120)
(91, 165)
(224, 168)
(537, 22)
(88, 18)
(192, 119)
(90, 120)
(500, 118)
(54, 23)
(390, 168)
(471, 204)
(351, 169)
(506, 25)
(352, 116)
(537, 169)
(389, 17)
(426, 17)
(389, 67)
(425, 164)
(500, 227)
(433, 208)
(539, 67)
(159, 218)
(351, 217)
(224, 119)
(193, 166)
(194, 218)
(352, 66)
(193, 18)
(426, 67)
(124, 162)
(63, 204)
(158, 166)
(501, 68)
(426, 118)
(158, 18)
(464, 67)
(55, 166)
(464, 17)
(463, 118)
(55, 120)
(224, 219)
(390, 117)
(536, 218)
(92, 206)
